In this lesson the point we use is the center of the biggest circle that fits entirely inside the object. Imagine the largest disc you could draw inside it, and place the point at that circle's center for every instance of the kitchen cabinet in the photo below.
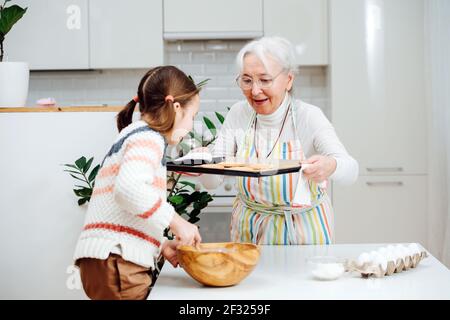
(304, 23)
(377, 83)
(125, 36)
(53, 34)
(40, 219)
(204, 19)
(87, 34)
(382, 209)
(378, 108)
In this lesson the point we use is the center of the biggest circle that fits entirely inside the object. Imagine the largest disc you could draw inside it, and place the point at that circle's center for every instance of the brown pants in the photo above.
(114, 279)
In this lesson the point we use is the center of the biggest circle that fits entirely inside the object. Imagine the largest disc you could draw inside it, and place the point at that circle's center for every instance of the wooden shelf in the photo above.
(63, 109)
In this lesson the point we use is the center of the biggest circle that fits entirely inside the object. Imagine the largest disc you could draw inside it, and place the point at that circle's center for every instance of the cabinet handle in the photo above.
(385, 184)
(396, 169)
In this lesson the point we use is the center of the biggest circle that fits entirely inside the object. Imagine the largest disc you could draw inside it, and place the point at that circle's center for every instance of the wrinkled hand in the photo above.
(319, 168)
(169, 252)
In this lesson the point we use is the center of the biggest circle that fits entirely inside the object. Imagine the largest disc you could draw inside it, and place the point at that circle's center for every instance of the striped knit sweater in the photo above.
(128, 207)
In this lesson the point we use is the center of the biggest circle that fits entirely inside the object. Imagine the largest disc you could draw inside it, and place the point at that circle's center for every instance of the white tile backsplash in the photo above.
(214, 59)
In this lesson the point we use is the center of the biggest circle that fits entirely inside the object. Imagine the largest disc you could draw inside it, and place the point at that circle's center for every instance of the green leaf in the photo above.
(83, 192)
(80, 163)
(194, 196)
(82, 201)
(87, 165)
(193, 219)
(77, 178)
(187, 183)
(202, 83)
(196, 136)
(71, 166)
(178, 199)
(195, 212)
(184, 147)
(74, 172)
(9, 17)
(210, 125)
(197, 206)
(220, 117)
(205, 197)
(93, 173)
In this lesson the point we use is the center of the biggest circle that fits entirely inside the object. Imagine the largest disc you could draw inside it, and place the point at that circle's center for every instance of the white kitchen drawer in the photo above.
(205, 19)
(53, 34)
(304, 23)
(382, 209)
(127, 35)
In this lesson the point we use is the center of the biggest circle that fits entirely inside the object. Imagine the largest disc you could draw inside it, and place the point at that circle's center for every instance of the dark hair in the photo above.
(153, 89)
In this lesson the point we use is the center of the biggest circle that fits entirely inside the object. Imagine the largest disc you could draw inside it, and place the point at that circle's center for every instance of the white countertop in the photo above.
(282, 274)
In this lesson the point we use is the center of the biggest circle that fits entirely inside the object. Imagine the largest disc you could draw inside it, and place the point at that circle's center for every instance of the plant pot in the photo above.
(14, 78)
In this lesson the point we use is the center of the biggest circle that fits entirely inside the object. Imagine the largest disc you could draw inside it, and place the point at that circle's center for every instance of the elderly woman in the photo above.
(270, 124)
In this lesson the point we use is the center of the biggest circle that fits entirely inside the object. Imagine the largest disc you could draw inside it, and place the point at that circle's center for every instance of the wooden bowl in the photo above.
(219, 264)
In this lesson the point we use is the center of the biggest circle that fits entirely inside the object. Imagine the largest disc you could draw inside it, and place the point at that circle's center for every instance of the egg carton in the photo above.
(370, 269)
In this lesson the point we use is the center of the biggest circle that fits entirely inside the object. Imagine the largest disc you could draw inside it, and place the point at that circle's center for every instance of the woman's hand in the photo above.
(187, 233)
(169, 252)
(319, 168)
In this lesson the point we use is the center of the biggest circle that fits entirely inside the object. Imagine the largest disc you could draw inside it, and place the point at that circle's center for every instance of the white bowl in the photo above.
(326, 267)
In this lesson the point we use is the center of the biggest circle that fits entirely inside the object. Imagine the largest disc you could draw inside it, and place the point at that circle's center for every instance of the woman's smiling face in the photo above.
(265, 100)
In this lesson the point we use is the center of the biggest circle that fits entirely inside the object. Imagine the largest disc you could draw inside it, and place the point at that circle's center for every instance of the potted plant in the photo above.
(14, 76)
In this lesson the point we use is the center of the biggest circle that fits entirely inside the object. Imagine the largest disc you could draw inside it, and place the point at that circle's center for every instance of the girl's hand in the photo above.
(319, 168)
(169, 252)
(187, 233)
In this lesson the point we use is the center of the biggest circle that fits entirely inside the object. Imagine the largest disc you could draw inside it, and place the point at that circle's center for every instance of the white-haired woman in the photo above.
(270, 124)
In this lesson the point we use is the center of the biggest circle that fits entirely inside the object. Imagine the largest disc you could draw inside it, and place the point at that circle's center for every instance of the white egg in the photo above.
(390, 247)
(390, 256)
(364, 258)
(383, 251)
(414, 248)
(381, 261)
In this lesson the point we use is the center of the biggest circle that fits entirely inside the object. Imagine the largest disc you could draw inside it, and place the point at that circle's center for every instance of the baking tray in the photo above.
(196, 166)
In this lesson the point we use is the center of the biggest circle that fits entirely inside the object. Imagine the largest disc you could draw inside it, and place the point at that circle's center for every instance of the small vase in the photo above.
(14, 79)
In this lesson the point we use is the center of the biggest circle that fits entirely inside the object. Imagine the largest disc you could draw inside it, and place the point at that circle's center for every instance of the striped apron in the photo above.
(262, 212)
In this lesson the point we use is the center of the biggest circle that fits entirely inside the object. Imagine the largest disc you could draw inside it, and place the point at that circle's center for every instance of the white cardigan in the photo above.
(315, 132)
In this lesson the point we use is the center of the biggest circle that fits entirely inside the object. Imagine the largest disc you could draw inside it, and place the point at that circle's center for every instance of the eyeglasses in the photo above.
(246, 82)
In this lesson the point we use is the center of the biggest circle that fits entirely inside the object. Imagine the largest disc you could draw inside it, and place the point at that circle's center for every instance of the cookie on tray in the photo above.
(232, 164)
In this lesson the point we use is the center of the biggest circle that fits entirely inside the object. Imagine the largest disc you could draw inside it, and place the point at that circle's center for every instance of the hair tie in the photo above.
(169, 98)
(136, 99)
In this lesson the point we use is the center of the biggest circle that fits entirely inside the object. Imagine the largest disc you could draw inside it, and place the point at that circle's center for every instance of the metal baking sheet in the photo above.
(196, 166)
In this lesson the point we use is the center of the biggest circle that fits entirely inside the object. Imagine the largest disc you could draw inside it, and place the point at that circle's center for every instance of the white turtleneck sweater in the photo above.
(314, 130)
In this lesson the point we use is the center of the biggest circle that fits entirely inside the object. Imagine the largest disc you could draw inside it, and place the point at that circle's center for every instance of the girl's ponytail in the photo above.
(125, 116)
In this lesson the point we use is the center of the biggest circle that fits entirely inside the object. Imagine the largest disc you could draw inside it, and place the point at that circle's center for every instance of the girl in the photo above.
(128, 212)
